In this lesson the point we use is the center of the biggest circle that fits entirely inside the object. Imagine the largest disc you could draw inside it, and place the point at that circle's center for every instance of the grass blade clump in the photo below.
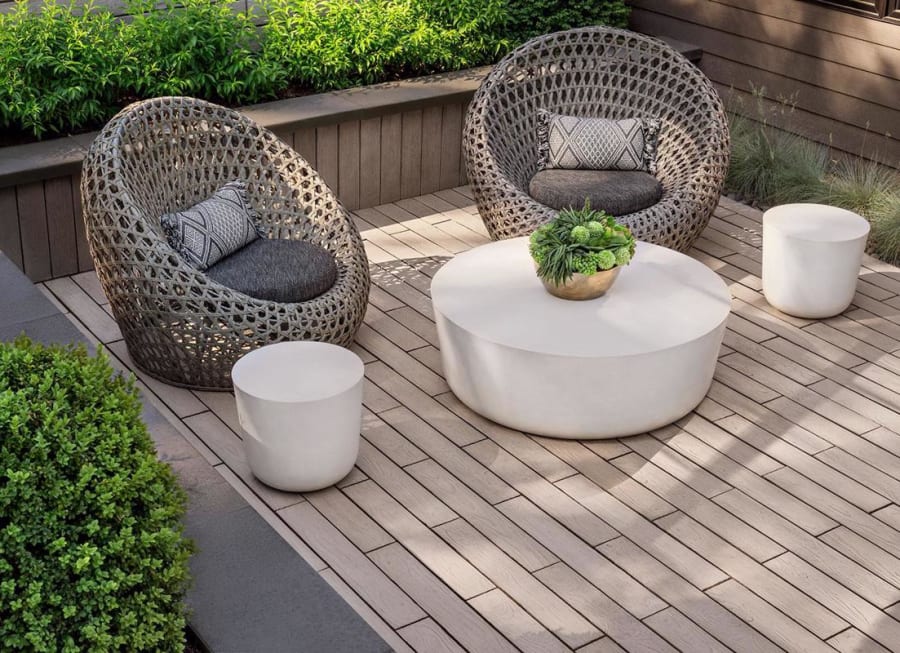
(771, 166)
(885, 238)
(861, 186)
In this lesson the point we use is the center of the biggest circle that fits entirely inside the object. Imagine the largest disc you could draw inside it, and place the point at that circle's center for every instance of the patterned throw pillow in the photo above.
(574, 143)
(214, 228)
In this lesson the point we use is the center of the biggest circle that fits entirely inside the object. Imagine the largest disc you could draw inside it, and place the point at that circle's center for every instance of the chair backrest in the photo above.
(168, 153)
(592, 71)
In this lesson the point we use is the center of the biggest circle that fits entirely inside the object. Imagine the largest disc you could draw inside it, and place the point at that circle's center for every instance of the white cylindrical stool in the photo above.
(811, 258)
(300, 409)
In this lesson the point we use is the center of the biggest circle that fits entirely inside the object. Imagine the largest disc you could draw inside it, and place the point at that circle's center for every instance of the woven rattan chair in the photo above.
(180, 326)
(599, 72)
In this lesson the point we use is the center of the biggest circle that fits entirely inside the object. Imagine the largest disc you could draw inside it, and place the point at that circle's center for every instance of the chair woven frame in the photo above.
(599, 72)
(180, 326)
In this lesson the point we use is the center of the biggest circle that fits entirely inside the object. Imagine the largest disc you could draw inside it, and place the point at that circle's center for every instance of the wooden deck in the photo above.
(768, 519)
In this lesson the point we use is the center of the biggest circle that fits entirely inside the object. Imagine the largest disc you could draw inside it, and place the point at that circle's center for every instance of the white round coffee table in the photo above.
(638, 358)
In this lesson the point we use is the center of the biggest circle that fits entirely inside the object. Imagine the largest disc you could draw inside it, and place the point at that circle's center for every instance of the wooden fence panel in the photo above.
(348, 163)
(33, 225)
(391, 154)
(451, 134)
(305, 144)
(327, 155)
(61, 226)
(432, 117)
(370, 161)
(841, 71)
(10, 238)
(411, 154)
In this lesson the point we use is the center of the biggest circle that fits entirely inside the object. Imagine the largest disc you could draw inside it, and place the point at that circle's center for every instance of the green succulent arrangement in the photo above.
(580, 240)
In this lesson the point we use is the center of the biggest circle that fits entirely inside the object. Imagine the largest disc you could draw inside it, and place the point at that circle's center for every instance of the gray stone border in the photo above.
(251, 591)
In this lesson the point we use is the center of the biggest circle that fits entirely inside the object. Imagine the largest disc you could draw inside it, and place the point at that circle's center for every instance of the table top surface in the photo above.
(297, 371)
(661, 300)
(816, 223)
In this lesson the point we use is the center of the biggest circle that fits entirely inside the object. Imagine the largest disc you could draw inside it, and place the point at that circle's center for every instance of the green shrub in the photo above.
(339, 43)
(92, 556)
(65, 67)
(198, 48)
(60, 68)
(529, 18)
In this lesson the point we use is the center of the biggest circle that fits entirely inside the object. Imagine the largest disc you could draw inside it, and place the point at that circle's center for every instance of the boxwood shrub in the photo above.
(92, 555)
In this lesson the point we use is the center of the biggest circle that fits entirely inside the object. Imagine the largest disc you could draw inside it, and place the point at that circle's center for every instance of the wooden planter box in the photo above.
(373, 144)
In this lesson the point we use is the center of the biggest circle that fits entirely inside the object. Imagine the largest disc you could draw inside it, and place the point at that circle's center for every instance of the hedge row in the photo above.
(92, 555)
(70, 67)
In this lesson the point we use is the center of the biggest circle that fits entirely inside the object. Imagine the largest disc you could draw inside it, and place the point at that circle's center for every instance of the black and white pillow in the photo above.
(573, 143)
(216, 227)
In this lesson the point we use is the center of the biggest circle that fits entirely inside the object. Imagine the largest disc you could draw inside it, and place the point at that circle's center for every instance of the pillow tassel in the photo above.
(543, 134)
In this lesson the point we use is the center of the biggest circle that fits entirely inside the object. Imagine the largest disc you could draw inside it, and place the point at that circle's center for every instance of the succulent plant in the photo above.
(580, 240)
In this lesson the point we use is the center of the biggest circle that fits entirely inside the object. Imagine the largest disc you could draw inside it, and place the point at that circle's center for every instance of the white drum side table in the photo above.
(636, 359)
(300, 409)
(811, 258)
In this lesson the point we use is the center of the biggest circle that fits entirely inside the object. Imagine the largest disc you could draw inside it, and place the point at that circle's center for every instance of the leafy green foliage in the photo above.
(59, 68)
(92, 556)
(198, 48)
(80, 64)
(326, 44)
(580, 240)
(529, 18)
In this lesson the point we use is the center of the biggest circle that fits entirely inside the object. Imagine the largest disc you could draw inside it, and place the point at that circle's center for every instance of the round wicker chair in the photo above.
(167, 154)
(597, 72)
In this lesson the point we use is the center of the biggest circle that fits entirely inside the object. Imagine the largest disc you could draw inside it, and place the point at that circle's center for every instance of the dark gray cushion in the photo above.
(617, 192)
(277, 270)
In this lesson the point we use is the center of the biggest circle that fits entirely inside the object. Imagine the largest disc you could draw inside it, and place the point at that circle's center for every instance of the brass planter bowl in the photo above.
(584, 286)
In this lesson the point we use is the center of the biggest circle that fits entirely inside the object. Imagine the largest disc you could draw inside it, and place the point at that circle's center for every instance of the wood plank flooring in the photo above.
(767, 519)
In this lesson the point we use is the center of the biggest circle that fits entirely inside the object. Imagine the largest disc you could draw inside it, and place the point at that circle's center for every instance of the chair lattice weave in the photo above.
(167, 154)
(600, 72)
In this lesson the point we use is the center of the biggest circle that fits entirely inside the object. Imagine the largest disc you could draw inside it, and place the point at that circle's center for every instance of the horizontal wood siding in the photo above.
(371, 161)
(832, 76)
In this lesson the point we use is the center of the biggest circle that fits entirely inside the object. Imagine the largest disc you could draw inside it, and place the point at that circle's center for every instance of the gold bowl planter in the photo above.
(584, 286)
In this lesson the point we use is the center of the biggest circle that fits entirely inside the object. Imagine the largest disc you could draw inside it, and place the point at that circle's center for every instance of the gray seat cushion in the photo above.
(277, 270)
(617, 192)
